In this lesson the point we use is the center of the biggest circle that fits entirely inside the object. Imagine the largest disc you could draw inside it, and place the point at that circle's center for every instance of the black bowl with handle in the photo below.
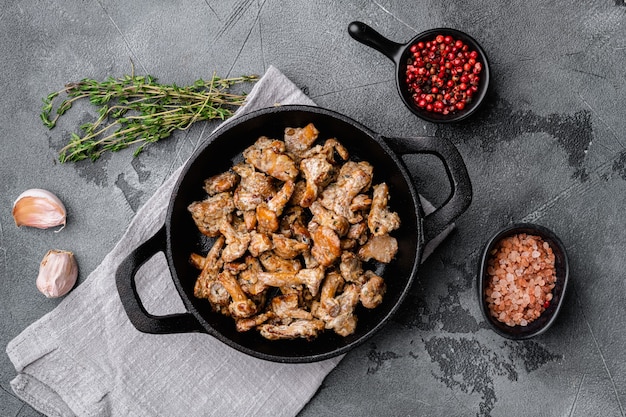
(400, 54)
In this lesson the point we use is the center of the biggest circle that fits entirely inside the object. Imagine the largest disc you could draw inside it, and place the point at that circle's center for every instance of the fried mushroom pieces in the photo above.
(297, 228)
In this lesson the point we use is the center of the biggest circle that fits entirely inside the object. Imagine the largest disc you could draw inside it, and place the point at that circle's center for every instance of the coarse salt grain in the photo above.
(521, 276)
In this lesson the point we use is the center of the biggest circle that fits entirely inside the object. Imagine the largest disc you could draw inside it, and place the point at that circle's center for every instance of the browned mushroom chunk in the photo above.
(210, 213)
(311, 278)
(268, 155)
(288, 306)
(292, 225)
(274, 263)
(361, 202)
(358, 232)
(248, 277)
(382, 248)
(268, 213)
(299, 139)
(318, 172)
(259, 243)
(373, 290)
(326, 245)
(330, 219)
(344, 323)
(327, 308)
(307, 329)
(207, 286)
(210, 267)
(350, 267)
(226, 181)
(381, 221)
(248, 323)
(253, 189)
(240, 305)
(328, 151)
(287, 248)
(236, 242)
(352, 179)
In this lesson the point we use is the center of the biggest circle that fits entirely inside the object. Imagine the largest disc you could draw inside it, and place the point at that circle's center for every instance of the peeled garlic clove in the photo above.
(57, 273)
(39, 208)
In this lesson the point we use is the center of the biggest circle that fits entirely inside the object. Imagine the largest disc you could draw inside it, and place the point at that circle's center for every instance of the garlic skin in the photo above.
(58, 272)
(39, 208)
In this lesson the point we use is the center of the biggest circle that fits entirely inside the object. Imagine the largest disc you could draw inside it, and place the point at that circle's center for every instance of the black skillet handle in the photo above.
(127, 289)
(461, 188)
(369, 37)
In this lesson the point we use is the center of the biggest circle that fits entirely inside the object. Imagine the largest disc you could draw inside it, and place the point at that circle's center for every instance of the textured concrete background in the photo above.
(547, 148)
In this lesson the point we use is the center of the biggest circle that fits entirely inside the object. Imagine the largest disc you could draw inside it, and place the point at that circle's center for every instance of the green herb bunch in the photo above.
(137, 110)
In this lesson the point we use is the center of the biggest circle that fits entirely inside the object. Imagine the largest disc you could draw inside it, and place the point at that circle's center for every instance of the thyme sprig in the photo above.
(137, 110)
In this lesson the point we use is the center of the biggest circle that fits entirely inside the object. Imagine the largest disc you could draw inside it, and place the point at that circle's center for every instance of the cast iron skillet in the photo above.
(179, 237)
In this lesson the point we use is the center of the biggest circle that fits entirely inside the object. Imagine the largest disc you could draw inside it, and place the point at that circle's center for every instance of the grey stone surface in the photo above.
(548, 148)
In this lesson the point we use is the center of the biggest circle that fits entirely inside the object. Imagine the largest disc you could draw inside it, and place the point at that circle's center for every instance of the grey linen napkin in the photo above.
(85, 358)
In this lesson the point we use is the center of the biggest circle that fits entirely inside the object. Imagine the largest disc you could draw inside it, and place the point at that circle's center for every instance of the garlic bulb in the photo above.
(39, 208)
(57, 273)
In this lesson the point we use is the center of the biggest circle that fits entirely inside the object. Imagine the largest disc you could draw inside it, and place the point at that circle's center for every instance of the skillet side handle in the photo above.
(461, 188)
(369, 37)
(127, 289)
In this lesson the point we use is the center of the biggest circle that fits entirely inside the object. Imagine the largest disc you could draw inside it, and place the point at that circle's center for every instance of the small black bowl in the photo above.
(547, 318)
(400, 54)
